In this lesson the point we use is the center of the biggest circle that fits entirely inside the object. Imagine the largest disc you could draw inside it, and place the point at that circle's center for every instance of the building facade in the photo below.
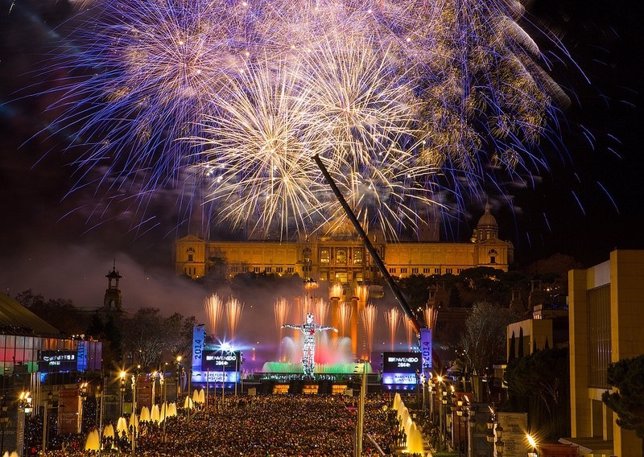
(605, 324)
(342, 257)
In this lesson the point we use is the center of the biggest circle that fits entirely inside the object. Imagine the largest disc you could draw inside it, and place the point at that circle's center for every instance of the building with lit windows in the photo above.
(341, 257)
(605, 324)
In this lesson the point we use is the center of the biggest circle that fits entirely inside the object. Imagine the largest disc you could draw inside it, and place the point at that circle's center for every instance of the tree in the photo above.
(627, 376)
(538, 383)
(484, 338)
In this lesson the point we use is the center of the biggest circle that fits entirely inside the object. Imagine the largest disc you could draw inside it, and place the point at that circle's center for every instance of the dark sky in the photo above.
(59, 245)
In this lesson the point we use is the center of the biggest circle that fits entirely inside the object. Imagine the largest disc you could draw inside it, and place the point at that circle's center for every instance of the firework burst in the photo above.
(214, 310)
(233, 313)
(392, 318)
(407, 102)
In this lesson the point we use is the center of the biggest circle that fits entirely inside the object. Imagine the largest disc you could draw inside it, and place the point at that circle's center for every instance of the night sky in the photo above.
(62, 244)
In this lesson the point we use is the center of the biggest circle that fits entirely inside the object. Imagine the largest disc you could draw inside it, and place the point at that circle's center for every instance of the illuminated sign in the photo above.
(399, 378)
(401, 362)
(215, 376)
(426, 348)
(54, 361)
(401, 367)
(220, 361)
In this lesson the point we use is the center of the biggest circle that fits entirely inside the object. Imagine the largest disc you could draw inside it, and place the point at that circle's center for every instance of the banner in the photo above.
(426, 348)
(81, 356)
(198, 340)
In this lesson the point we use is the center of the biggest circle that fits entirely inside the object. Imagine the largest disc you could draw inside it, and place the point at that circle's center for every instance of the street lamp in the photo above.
(179, 359)
(533, 443)
(122, 375)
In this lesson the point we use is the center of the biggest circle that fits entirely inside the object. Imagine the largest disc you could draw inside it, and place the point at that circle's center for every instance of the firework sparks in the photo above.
(280, 309)
(345, 317)
(214, 311)
(369, 314)
(321, 310)
(431, 314)
(392, 318)
(233, 313)
(405, 101)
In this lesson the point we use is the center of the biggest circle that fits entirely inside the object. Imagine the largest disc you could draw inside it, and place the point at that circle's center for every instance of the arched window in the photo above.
(492, 253)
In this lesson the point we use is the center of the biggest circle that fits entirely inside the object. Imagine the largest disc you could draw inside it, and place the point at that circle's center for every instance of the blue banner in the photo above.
(81, 356)
(426, 348)
(198, 339)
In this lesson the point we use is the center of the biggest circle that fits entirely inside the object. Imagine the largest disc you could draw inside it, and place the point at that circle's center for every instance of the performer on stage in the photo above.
(309, 329)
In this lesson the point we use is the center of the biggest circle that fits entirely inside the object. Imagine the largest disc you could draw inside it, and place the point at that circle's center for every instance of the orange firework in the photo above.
(369, 314)
(233, 310)
(392, 317)
(214, 310)
(345, 317)
(431, 314)
(321, 310)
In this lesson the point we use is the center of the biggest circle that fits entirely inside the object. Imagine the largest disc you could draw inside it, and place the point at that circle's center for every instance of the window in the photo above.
(268, 269)
(256, 269)
(448, 271)
(459, 271)
(191, 254)
(233, 269)
(392, 270)
(414, 271)
(245, 269)
(492, 253)
(341, 256)
(426, 271)
(357, 256)
(403, 270)
(437, 271)
(279, 269)
(290, 269)
(324, 256)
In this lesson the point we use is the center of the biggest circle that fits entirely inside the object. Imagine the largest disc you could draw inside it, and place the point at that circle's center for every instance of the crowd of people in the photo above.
(275, 426)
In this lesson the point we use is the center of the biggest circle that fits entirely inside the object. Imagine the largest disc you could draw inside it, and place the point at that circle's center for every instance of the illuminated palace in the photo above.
(341, 257)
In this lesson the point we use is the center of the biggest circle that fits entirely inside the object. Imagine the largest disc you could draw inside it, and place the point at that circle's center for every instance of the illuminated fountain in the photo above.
(330, 355)
(369, 314)
(392, 317)
(215, 311)
(233, 314)
(345, 318)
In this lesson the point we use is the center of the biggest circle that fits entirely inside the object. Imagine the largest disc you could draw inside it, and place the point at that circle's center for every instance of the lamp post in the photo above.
(122, 375)
(360, 422)
(134, 411)
(178, 359)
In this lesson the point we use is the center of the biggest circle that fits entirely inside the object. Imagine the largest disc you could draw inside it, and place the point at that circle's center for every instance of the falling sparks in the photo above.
(409, 103)
(214, 311)
(392, 318)
(345, 317)
(233, 313)
(431, 314)
(369, 314)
